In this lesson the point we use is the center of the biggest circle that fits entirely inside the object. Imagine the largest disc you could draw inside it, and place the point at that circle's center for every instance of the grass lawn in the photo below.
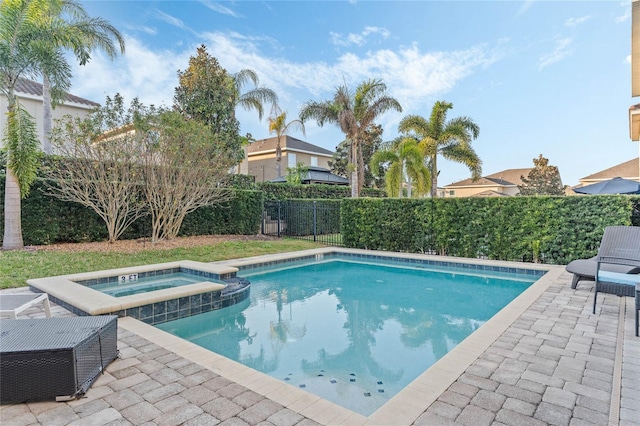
(19, 265)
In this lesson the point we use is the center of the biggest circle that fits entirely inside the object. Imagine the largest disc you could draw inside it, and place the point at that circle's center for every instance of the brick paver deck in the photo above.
(557, 364)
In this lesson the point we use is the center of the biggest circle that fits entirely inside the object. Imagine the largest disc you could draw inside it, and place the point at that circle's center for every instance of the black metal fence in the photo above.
(307, 220)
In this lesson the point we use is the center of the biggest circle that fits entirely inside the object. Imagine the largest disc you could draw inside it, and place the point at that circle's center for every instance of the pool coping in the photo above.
(66, 289)
(408, 404)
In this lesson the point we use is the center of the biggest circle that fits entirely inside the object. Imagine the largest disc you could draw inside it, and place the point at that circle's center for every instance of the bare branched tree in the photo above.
(182, 171)
(99, 167)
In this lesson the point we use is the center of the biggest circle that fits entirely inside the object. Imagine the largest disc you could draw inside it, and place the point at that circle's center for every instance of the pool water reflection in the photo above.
(352, 333)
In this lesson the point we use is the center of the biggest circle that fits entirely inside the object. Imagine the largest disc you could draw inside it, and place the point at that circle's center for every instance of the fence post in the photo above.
(278, 218)
(315, 222)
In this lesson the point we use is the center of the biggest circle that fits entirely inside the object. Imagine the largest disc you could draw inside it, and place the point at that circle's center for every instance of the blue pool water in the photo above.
(352, 333)
(147, 284)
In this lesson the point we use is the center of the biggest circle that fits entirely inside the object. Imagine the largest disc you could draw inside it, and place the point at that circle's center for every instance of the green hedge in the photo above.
(553, 229)
(47, 220)
(286, 191)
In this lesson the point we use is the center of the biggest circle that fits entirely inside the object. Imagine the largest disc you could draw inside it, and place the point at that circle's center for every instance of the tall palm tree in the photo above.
(23, 36)
(81, 34)
(404, 159)
(278, 125)
(354, 113)
(255, 98)
(451, 139)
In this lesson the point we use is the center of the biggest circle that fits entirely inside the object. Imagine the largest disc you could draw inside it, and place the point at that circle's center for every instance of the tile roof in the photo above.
(319, 175)
(292, 144)
(627, 170)
(33, 88)
(509, 177)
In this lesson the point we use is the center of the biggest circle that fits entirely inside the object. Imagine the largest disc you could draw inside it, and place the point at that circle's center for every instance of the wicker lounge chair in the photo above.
(13, 304)
(620, 245)
(54, 358)
(585, 270)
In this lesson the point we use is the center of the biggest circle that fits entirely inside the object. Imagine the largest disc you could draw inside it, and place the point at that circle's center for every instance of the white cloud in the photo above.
(574, 22)
(339, 39)
(171, 20)
(626, 15)
(561, 51)
(148, 75)
(412, 76)
(149, 30)
(525, 7)
(217, 7)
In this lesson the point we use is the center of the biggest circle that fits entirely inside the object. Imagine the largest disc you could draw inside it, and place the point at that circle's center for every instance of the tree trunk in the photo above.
(434, 176)
(408, 184)
(278, 159)
(354, 174)
(360, 171)
(12, 219)
(46, 115)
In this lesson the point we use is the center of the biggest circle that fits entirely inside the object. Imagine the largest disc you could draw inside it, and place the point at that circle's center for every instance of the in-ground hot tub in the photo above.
(142, 292)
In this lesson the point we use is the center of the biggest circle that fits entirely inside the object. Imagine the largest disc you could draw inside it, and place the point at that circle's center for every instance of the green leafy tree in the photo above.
(543, 179)
(278, 124)
(403, 161)
(181, 170)
(296, 174)
(339, 164)
(353, 112)
(207, 93)
(26, 37)
(451, 139)
(254, 98)
(82, 35)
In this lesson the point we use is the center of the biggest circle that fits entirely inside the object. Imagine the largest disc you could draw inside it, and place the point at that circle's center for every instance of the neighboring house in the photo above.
(29, 95)
(318, 175)
(504, 183)
(261, 157)
(627, 170)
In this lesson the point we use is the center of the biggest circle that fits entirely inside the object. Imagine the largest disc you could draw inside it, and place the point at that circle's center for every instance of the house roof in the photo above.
(509, 177)
(319, 175)
(30, 87)
(288, 143)
(490, 193)
(628, 170)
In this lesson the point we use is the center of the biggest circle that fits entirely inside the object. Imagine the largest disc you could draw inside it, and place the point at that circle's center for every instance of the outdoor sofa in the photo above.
(620, 245)
(54, 358)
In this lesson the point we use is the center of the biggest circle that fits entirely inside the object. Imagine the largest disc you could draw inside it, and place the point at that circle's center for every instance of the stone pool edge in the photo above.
(403, 408)
(66, 291)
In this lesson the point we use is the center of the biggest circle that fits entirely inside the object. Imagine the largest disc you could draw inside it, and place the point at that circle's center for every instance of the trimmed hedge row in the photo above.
(286, 191)
(549, 229)
(47, 220)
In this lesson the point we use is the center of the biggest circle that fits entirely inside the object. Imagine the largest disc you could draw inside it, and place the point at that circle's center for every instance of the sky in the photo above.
(536, 76)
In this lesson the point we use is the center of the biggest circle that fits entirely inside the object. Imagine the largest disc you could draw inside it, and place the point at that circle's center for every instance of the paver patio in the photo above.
(556, 364)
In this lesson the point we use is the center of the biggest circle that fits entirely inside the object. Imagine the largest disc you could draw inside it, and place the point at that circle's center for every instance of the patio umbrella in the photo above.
(616, 185)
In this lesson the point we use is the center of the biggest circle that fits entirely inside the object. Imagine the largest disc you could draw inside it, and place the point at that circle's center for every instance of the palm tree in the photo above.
(354, 113)
(82, 34)
(451, 139)
(278, 125)
(404, 159)
(23, 35)
(254, 98)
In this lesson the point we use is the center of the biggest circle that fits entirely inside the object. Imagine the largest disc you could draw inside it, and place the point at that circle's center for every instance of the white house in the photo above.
(29, 95)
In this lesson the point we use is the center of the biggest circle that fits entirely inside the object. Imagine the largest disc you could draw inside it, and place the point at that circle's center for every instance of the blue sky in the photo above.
(538, 77)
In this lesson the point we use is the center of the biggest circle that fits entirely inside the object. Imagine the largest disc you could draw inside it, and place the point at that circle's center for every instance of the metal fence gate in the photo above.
(306, 220)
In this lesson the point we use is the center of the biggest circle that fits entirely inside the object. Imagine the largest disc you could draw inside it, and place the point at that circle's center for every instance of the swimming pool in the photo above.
(354, 329)
(130, 284)
(151, 293)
